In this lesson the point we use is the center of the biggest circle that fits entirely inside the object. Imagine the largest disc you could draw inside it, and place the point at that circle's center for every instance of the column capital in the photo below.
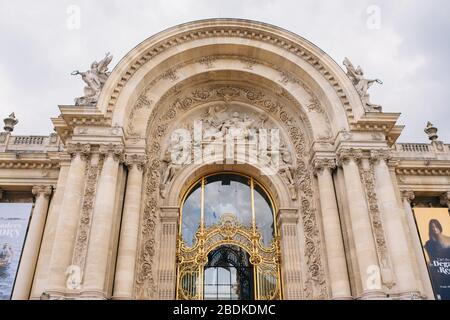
(445, 199)
(138, 160)
(320, 164)
(169, 214)
(45, 191)
(408, 195)
(347, 154)
(377, 155)
(114, 150)
(287, 216)
(81, 149)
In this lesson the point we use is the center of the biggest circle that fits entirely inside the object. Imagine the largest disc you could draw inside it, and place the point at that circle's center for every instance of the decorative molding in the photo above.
(114, 150)
(29, 164)
(231, 31)
(377, 155)
(445, 199)
(422, 171)
(82, 149)
(316, 284)
(319, 164)
(138, 160)
(368, 181)
(171, 75)
(347, 154)
(208, 61)
(142, 103)
(408, 195)
(93, 168)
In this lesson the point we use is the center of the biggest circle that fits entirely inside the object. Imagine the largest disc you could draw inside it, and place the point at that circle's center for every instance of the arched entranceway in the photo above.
(228, 245)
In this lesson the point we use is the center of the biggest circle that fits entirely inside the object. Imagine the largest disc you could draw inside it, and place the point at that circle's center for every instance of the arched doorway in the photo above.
(228, 244)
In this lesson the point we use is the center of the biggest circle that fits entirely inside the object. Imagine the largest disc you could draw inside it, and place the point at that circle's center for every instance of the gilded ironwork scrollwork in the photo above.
(228, 231)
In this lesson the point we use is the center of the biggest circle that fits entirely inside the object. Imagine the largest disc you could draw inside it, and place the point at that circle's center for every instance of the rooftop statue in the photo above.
(362, 85)
(95, 78)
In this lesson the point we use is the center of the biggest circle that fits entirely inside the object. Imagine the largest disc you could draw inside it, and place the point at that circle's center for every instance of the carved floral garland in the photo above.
(82, 238)
(315, 287)
(368, 179)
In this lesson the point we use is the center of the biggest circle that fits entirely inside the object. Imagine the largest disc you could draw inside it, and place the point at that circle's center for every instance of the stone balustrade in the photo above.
(10, 143)
(422, 151)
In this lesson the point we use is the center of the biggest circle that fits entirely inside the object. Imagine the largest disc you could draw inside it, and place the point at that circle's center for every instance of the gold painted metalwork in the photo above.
(228, 231)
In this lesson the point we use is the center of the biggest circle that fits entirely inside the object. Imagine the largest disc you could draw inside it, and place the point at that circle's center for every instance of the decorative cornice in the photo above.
(422, 171)
(28, 164)
(44, 191)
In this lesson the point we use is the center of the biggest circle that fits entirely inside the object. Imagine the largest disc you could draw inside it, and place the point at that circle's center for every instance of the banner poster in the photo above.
(434, 230)
(14, 219)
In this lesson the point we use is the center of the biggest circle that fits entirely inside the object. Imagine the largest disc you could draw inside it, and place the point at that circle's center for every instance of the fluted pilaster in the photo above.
(287, 220)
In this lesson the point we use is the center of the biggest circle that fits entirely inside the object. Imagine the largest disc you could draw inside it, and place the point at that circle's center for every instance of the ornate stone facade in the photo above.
(119, 168)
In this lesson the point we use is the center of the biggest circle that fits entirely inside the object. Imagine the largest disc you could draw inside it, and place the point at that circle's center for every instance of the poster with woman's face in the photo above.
(434, 230)
(14, 218)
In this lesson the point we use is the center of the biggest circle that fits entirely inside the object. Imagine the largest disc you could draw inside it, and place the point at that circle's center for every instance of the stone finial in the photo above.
(10, 122)
(431, 131)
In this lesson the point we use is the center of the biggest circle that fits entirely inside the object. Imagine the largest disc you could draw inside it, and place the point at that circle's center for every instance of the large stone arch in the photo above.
(260, 48)
(273, 70)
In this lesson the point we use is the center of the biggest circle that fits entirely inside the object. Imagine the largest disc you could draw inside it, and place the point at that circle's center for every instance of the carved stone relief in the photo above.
(295, 171)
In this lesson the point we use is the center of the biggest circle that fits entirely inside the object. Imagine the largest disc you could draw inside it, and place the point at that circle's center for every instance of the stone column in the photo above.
(287, 220)
(94, 284)
(30, 253)
(427, 289)
(392, 216)
(168, 252)
(127, 255)
(337, 264)
(361, 225)
(68, 220)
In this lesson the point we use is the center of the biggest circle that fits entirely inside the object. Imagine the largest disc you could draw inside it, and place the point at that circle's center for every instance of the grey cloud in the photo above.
(409, 52)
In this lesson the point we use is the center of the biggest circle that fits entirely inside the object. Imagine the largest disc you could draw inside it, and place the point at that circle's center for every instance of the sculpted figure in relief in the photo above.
(362, 85)
(95, 78)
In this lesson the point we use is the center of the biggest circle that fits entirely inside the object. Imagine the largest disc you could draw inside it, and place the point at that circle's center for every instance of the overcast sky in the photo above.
(409, 49)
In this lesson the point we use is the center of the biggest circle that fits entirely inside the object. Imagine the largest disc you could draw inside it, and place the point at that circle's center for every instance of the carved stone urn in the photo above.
(10, 122)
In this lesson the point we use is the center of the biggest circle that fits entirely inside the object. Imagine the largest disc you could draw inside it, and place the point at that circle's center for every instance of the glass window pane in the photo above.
(264, 215)
(224, 275)
(227, 194)
(191, 214)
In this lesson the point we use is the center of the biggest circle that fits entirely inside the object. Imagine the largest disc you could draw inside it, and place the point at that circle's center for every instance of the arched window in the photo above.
(228, 244)
(226, 193)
